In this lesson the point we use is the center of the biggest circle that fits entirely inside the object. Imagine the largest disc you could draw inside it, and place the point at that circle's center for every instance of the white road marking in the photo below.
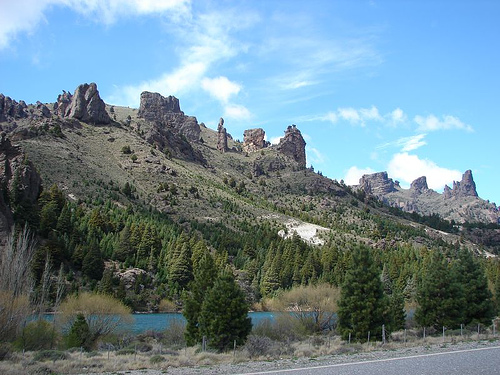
(369, 361)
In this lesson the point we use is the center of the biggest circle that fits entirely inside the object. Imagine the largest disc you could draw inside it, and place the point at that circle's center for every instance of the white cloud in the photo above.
(406, 168)
(397, 116)
(432, 123)
(354, 174)
(177, 82)
(275, 140)
(220, 88)
(330, 116)
(349, 114)
(237, 112)
(25, 15)
(370, 113)
(296, 84)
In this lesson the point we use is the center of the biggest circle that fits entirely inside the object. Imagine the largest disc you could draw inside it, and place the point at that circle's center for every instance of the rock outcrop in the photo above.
(166, 112)
(222, 137)
(377, 184)
(17, 176)
(62, 104)
(293, 145)
(419, 186)
(466, 187)
(87, 106)
(254, 140)
(11, 110)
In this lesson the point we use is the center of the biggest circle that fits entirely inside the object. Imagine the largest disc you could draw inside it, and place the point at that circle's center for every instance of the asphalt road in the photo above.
(483, 361)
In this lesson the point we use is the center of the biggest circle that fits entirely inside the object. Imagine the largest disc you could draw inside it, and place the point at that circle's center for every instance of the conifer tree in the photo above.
(362, 303)
(93, 264)
(478, 306)
(224, 314)
(439, 295)
(204, 277)
(79, 335)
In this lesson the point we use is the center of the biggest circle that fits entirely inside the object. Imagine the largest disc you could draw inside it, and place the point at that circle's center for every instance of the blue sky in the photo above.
(408, 87)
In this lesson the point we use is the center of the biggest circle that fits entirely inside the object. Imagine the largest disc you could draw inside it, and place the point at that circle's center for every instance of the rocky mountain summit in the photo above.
(293, 145)
(460, 204)
(254, 140)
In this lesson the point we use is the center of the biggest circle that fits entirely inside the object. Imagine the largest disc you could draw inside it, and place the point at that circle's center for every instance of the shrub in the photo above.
(125, 351)
(79, 334)
(50, 355)
(126, 150)
(5, 351)
(258, 345)
(38, 335)
(157, 359)
(173, 336)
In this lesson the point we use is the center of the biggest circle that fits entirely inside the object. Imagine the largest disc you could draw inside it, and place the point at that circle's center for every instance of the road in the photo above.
(481, 361)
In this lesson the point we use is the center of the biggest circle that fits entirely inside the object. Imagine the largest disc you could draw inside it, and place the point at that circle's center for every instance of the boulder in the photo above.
(293, 145)
(87, 106)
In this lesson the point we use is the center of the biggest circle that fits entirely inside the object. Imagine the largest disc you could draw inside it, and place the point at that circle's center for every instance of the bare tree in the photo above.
(15, 282)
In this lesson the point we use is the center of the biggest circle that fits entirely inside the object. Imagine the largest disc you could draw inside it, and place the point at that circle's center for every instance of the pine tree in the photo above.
(439, 295)
(181, 271)
(93, 264)
(478, 306)
(79, 334)
(397, 313)
(362, 303)
(204, 277)
(224, 314)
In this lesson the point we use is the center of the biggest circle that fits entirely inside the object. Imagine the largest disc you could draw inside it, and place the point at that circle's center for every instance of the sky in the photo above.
(407, 87)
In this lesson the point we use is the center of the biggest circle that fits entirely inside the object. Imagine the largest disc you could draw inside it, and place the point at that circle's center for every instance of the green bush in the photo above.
(79, 334)
(125, 351)
(157, 359)
(37, 335)
(50, 355)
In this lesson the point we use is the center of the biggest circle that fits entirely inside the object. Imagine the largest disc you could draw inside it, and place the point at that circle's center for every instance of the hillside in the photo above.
(158, 176)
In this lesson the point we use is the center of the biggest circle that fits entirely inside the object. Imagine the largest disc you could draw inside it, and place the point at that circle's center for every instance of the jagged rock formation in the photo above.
(253, 140)
(419, 186)
(171, 131)
(11, 110)
(62, 104)
(41, 110)
(18, 177)
(466, 187)
(293, 145)
(459, 204)
(87, 106)
(222, 137)
(166, 112)
(377, 184)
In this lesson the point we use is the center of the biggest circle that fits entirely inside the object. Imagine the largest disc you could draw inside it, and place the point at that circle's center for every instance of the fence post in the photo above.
(234, 349)
(204, 344)
(424, 333)
(494, 333)
(461, 330)
(368, 337)
(478, 329)
(349, 337)
(443, 333)
(404, 337)
(383, 333)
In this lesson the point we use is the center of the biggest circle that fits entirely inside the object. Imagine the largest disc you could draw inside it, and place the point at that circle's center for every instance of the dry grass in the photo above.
(312, 347)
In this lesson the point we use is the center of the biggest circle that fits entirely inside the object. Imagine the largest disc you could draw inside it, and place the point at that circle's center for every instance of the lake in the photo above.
(160, 321)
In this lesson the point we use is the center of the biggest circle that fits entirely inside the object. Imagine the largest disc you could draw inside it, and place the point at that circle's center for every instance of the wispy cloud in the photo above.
(406, 144)
(406, 168)
(23, 16)
(315, 156)
(432, 123)
(354, 173)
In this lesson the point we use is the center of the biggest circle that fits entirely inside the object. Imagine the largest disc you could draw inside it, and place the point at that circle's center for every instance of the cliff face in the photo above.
(293, 145)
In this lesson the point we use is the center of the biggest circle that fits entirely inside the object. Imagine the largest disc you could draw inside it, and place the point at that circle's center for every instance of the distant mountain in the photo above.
(460, 203)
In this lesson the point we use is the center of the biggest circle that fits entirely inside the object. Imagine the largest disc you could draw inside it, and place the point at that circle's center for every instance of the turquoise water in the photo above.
(158, 322)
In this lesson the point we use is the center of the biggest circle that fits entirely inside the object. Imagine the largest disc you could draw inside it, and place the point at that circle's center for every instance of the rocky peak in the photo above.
(419, 186)
(62, 104)
(293, 145)
(466, 187)
(253, 140)
(447, 192)
(87, 106)
(222, 137)
(377, 184)
(10, 109)
(154, 106)
(165, 112)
